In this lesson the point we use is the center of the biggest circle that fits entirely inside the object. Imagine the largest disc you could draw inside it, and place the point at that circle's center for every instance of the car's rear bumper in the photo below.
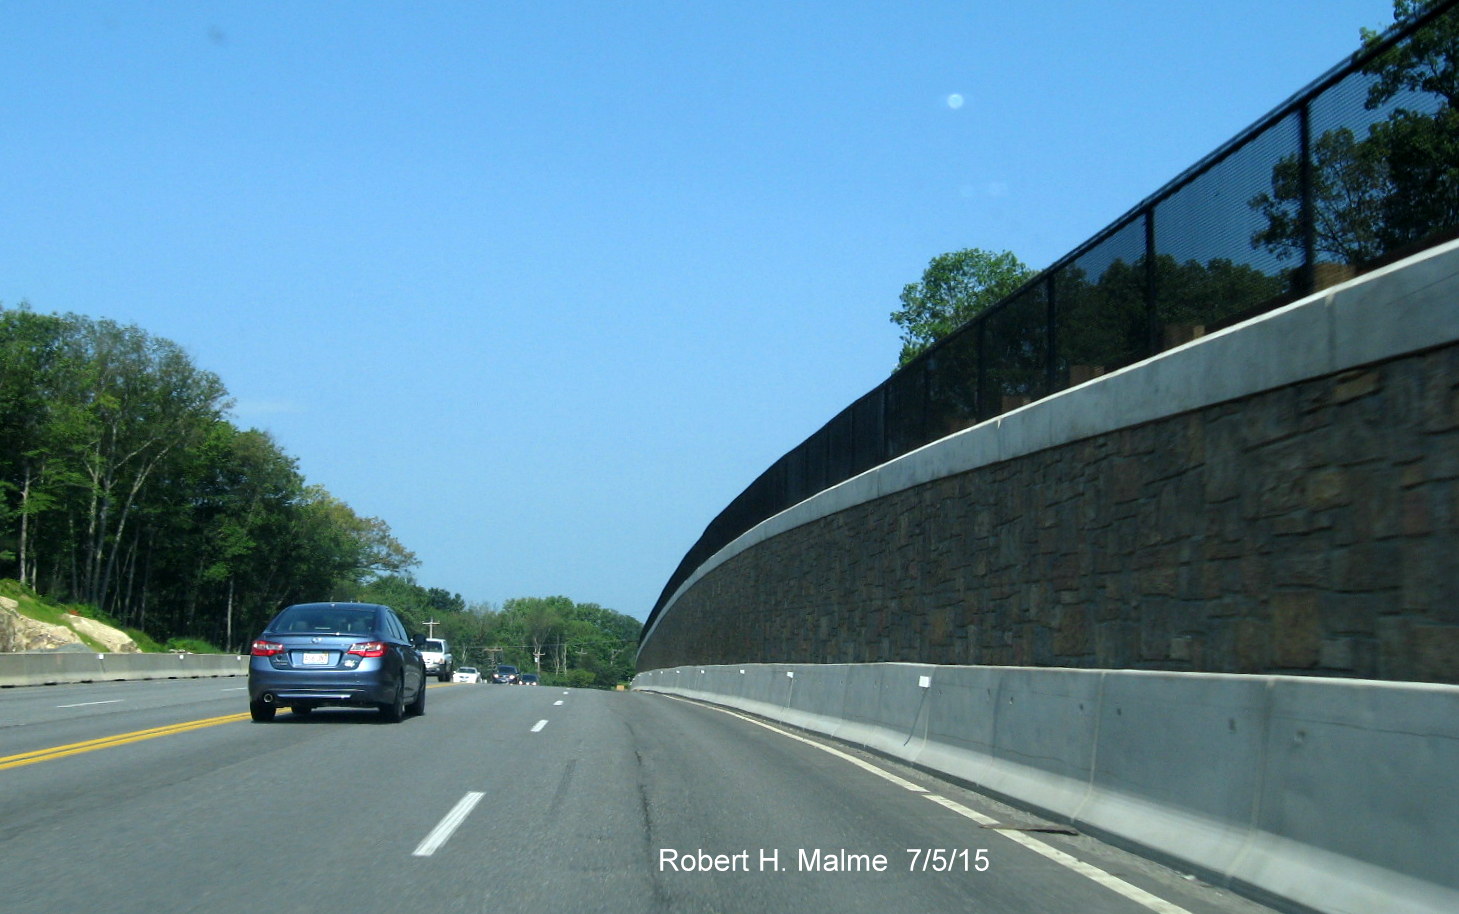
(295, 686)
(323, 697)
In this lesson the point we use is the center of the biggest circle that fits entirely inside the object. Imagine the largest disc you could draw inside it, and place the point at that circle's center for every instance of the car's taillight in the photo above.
(368, 649)
(263, 648)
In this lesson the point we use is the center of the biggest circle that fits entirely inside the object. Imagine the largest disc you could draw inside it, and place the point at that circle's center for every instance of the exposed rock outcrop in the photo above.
(20, 633)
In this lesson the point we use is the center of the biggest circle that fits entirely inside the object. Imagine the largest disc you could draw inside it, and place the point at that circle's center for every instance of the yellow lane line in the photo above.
(120, 739)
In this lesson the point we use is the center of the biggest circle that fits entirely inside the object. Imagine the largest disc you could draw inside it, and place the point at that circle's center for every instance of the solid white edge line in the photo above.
(448, 825)
(1089, 871)
(879, 772)
(537, 727)
(1113, 883)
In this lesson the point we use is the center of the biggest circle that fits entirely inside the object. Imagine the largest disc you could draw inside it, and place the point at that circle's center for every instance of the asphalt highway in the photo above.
(155, 797)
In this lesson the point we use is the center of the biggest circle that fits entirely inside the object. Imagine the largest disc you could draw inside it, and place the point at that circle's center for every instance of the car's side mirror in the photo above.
(418, 641)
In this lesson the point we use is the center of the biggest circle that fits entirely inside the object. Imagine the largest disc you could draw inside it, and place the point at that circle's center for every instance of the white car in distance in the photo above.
(437, 655)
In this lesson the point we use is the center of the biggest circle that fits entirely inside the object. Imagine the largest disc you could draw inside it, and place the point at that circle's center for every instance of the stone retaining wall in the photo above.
(1310, 528)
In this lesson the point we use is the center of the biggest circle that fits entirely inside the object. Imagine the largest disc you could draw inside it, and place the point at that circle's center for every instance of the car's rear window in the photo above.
(434, 645)
(325, 620)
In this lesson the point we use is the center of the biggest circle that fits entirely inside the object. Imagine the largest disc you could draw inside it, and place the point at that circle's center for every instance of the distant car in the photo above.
(528, 679)
(466, 674)
(437, 655)
(505, 674)
(351, 654)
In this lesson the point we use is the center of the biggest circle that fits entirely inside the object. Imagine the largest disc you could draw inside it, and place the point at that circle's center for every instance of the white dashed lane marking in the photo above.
(447, 826)
(537, 727)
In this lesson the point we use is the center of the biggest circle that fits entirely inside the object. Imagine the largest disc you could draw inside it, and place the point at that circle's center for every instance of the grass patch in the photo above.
(34, 606)
(144, 641)
(190, 645)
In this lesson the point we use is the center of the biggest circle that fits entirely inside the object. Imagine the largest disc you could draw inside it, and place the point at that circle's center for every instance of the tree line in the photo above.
(124, 486)
(567, 643)
(576, 644)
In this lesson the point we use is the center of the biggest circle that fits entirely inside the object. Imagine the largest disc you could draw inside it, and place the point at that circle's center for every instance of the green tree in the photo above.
(228, 550)
(34, 415)
(109, 408)
(123, 485)
(1350, 190)
(339, 548)
(570, 643)
(1398, 184)
(955, 288)
(540, 620)
(1420, 137)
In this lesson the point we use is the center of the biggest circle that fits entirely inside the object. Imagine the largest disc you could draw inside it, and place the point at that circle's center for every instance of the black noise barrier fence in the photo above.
(1357, 170)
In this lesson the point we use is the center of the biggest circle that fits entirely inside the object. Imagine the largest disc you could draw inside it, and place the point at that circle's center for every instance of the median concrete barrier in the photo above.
(1333, 795)
(54, 667)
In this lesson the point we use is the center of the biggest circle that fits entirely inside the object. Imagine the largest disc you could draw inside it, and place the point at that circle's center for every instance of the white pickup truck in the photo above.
(437, 655)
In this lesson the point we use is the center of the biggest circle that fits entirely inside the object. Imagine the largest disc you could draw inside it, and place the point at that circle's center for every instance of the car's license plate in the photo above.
(316, 657)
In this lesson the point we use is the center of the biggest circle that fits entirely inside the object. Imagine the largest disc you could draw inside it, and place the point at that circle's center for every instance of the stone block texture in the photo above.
(1311, 529)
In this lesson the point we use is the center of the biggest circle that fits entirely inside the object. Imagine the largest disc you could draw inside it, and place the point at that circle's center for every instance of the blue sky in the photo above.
(545, 285)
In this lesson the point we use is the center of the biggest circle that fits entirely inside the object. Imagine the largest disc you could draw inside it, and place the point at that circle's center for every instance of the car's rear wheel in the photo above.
(394, 711)
(260, 712)
(418, 707)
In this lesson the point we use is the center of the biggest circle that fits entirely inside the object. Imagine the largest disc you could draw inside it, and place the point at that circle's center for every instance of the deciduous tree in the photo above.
(955, 288)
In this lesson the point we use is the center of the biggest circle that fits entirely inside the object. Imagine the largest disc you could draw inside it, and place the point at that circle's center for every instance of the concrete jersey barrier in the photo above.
(1335, 795)
(53, 667)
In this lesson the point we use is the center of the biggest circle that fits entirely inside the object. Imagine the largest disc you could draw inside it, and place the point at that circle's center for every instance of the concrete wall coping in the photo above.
(1403, 308)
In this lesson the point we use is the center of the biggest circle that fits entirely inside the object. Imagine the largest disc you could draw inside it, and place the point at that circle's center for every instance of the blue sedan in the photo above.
(341, 654)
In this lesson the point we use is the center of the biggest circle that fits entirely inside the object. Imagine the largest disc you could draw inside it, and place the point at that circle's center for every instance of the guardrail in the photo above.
(1333, 794)
(53, 667)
